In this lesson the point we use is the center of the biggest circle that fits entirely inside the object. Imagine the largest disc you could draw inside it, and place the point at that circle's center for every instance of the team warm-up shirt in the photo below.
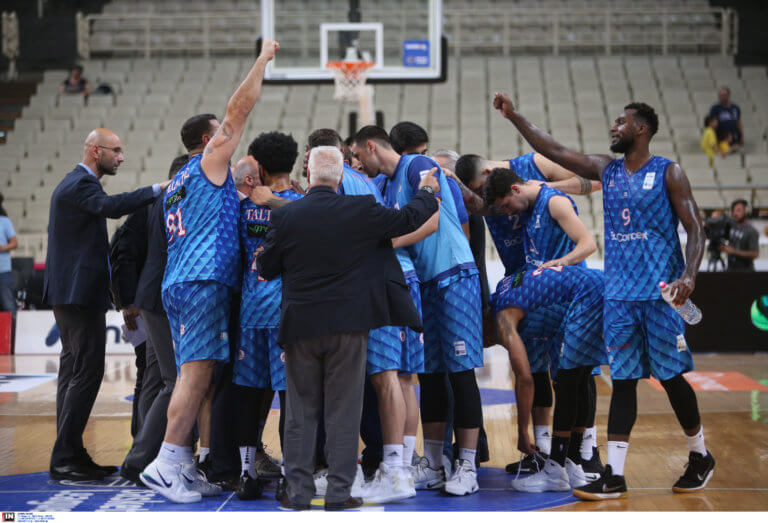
(201, 227)
(260, 302)
(642, 247)
(445, 254)
(507, 231)
(544, 239)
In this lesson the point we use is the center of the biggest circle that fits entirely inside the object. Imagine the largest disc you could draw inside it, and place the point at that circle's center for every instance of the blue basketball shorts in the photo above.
(645, 338)
(198, 313)
(260, 361)
(582, 339)
(453, 337)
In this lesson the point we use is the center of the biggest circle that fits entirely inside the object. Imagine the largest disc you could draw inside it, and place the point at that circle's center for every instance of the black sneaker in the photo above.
(249, 488)
(281, 491)
(530, 464)
(697, 474)
(204, 466)
(593, 468)
(607, 486)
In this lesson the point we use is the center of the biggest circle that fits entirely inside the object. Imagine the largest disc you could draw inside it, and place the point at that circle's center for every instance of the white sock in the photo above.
(204, 451)
(589, 441)
(469, 455)
(247, 462)
(171, 454)
(393, 455)
(696, 443)
(617, 454)
(543, 438)
(433, 451)
(409, 444)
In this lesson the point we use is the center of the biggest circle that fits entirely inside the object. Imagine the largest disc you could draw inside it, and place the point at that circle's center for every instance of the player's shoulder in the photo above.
(420, 162)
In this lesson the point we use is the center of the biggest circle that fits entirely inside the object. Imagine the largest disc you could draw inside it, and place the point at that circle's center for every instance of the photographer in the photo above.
(742, 247)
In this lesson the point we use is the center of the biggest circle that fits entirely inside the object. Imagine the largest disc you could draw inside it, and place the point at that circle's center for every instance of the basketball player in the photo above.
(570, 302)
(507, 234)
(450, 294)
(201, 217)
(644, 197)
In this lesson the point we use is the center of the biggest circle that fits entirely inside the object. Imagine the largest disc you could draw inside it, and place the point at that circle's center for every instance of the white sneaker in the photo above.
(387, 486)
(321, 483)
(551, 478)
(425, 477)
(406, 480)
(168, 482)
(463, 481)
(196, 480)
(576, 476)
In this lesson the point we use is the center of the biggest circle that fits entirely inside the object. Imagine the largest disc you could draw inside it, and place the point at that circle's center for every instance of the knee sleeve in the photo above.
(568, 402)
(249, 405)
(623, 411)
(467, 407)
(542, 390)
(592, 405)
(683, 401)
(434, 397)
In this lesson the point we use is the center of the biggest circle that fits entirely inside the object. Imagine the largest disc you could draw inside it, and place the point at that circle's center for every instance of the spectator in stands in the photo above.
(75, 83)
(729, 119)
(709, 142)
(743, 241)
(8, 242)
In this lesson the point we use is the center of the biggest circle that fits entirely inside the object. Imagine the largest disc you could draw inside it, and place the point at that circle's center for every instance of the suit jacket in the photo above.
(77, 263)
(148, 294)
(339, 270)
(127, 254)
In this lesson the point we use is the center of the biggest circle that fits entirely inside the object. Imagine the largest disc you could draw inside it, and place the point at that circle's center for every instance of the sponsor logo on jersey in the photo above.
(223, 336)
(517, 280)
(241, 355)
(182, 329)
(629, 237)
(256, 230)
(176, 197)
(682, 346)
(648, 182)
(460, 348)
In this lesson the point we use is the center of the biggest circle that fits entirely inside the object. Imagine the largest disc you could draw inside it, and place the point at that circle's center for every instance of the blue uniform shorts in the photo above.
(260, 361)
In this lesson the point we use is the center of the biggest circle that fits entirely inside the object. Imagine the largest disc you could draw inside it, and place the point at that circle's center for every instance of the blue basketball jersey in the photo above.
(507, 231)
(354, 184)
(260, 301)
(445, 253)
(201, 227)
(544, 239)
(642, 247)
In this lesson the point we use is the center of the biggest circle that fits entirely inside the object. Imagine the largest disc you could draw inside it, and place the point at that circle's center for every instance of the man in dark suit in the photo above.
(340, 279)
(76, 285)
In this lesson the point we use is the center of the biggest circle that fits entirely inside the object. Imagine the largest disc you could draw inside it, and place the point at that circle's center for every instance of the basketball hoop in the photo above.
(349, 79)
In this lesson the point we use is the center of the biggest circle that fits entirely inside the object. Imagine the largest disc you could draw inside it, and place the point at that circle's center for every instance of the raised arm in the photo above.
(507, 322)
(562, 211)
(685, 206)
(588, 166)
(222, 146)
(562, 179)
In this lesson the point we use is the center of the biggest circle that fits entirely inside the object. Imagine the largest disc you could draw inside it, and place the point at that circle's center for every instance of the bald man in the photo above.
(77, 276)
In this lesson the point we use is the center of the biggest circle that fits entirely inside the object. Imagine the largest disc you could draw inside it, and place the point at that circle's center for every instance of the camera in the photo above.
(717, 229)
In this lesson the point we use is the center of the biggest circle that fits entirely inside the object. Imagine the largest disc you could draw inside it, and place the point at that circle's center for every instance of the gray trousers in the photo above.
(327, 374)
(147, 442)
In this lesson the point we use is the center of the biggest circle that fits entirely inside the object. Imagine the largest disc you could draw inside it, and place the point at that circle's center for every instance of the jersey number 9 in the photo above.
(625, 216)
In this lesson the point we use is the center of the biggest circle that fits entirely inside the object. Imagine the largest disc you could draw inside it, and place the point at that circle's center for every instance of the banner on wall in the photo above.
(36, 333)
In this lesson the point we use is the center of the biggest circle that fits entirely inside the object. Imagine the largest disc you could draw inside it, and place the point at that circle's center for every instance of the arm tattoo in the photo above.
(222, 136)
(585, 186)
(473, 203)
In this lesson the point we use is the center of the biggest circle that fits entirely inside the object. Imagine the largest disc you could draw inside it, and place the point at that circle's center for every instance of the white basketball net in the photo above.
(349, 79)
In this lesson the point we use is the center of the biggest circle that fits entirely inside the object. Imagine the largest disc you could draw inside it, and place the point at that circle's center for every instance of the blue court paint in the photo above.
(36, 492)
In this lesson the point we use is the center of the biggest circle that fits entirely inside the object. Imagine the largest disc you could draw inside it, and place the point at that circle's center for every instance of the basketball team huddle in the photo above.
(559, 320)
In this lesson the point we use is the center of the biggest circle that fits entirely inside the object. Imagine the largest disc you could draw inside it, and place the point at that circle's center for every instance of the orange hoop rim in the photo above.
(350, 67)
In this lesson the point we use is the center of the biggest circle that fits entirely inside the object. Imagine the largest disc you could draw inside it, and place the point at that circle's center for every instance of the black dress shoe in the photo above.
(350, 503)
(131, 474)
(75, 472)
(281, 490)
(286, 503)
(105, 470)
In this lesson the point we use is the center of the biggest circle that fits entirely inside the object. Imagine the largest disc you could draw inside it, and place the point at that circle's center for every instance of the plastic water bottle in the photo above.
(688, 311)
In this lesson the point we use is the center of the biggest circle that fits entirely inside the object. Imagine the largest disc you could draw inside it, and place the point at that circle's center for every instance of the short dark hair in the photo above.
(176, 164)
(728, 89)
(708, 119)
(646, 113)
(499, 183)
(742, 201)
(276, 152)
(194, 128)
(320, 137)
(372, 132)
(468, 167)
(405, 135)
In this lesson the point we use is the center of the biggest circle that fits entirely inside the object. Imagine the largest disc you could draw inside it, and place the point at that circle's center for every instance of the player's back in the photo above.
(260, 302)
(642, 246)
(201, 227)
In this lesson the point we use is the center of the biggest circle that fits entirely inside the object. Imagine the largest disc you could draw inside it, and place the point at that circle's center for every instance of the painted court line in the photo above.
(225, 502)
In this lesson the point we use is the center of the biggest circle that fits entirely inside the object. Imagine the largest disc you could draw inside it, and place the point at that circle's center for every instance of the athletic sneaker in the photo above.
(530, 464)
(167, 481)
(199, 482)
(425, 477)
(463, 481)
(249, 488)
(205, 465)
(593, 468)
(576, 476)
(388, 484)
(607, 486)
(698, 472)
(266, 468)
(321, 482)
(551, 478)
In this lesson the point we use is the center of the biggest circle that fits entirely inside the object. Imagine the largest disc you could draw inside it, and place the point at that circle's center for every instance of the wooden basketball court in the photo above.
(732, 392)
